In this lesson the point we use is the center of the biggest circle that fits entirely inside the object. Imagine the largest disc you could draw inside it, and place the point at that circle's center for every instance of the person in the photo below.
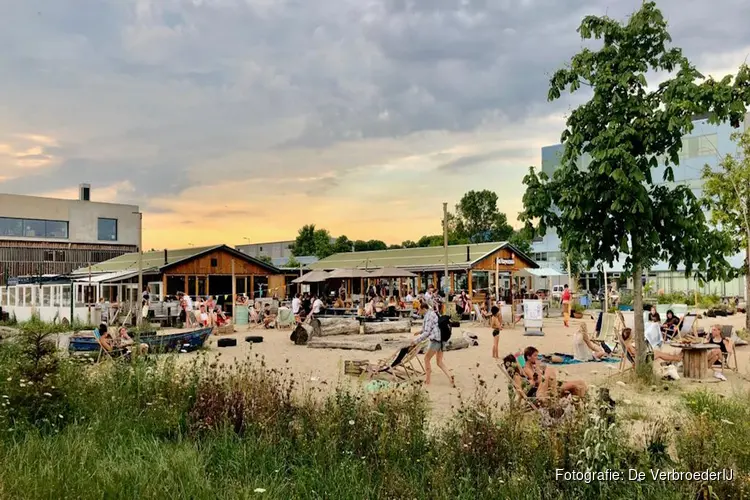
(627, 340)
(342, 293)
(669, 328)
(431, 331)
(545, 378)
(306, 303)
(464, 303)
(210, 303)
(517, 375)
(218, 318)
(317, 306)
(268, 316)
(189, 316)
(717, 355)
(392, 307)
(429, 295)
(145, 302)
(203, 317)
(409, 297)
(584, 349)
(339, 304)
(565, 298)
(496, 323)
(105, 338)
(653, 316)
(296, 306)
(103, 307)
(124, 341)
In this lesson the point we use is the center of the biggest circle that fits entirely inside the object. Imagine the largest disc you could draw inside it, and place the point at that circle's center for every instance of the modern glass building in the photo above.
(705, 145)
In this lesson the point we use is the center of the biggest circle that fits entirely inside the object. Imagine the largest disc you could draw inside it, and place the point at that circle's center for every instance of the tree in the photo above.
(343, 244)
(726, 193)
(311, 241)
(366, 246)
(292, 263)
(265, 259)
(409, 244)
(521, 239)
(430, 241)
(478, 219)
(614, 206)
(394, 247)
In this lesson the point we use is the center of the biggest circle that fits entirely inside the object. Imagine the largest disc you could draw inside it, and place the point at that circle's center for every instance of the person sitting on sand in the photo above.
(431, 331)
(125, 341)
(583, 347)
(496, 323)
(545, 378)
(218, 317)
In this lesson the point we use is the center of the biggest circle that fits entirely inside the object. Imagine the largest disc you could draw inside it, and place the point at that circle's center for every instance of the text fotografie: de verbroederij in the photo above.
(637, 475)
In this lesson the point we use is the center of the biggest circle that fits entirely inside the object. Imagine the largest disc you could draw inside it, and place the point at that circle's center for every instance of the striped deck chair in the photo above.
(107, 352)
(401, 364)
(529, 404)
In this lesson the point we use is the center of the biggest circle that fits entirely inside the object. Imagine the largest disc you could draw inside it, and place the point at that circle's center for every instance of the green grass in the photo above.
(156, 429)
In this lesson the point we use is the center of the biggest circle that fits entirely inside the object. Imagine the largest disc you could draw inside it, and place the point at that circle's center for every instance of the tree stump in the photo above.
(695, 363)
(301, 334)
(325, 327)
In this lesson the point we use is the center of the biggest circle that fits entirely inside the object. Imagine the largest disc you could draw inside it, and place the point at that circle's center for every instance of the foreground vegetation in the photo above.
(153, 429)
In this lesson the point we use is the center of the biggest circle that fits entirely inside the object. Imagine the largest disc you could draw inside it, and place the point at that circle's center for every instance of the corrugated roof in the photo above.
(413, 258)
(151, 260)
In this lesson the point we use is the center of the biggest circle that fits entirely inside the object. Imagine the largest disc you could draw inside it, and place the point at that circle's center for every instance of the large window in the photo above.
(33, 228)
(107, 229)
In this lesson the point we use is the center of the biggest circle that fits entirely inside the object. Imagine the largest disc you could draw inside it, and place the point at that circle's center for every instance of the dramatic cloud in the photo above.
(249, 118)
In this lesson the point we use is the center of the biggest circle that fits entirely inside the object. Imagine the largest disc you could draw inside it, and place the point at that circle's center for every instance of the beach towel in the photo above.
(568, 359)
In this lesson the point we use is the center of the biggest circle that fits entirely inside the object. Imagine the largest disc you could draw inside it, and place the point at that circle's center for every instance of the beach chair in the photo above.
(284, 318)
(726, 333)
(688, 326)
(401, 364)
(103, 351)
(528, 404)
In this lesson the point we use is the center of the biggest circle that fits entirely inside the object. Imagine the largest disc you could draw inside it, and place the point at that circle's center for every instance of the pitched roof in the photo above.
(416, 258)
(154, 261)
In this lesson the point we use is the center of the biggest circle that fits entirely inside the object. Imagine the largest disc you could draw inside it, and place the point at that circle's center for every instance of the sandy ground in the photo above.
(324, 367)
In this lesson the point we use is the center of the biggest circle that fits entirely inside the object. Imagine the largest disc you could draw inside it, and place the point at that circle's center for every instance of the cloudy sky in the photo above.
(234, 119)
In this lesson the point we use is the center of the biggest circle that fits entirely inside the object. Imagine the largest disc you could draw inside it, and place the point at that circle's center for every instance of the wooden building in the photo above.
(196, 271)
(477, 268)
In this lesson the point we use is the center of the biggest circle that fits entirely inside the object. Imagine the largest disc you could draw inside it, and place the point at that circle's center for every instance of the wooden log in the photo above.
(388, 327)
(224, 330)
(344, 344)
(301, 334)
(355, 366)
(325, 327)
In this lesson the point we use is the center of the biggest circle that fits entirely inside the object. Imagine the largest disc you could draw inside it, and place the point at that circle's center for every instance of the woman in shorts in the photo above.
(496, 323)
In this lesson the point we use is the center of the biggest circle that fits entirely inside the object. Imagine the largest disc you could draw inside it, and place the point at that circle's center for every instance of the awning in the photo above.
(312, 277)
(103, 278)
(348, 274)
(545, 272)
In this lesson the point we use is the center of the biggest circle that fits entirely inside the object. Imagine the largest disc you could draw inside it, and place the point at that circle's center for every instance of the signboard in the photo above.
(533, 310)
(505, 262)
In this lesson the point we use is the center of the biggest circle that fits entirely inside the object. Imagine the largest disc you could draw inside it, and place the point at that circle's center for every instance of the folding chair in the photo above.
(529, 404)
(726, 333)
(401, 361)
(109, 353)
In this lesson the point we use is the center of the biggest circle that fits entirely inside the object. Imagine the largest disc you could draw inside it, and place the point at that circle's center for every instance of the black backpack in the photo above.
(444, 324)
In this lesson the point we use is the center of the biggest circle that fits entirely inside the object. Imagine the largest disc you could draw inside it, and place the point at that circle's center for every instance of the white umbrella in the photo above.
(344, 274)
(391, 272)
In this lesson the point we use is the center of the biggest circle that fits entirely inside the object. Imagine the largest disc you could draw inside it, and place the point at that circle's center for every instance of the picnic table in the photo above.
(694, 359)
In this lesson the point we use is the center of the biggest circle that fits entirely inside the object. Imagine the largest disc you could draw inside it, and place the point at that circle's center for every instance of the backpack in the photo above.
(444, 324)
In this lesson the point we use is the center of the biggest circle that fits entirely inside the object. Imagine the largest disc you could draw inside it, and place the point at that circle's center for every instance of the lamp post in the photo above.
(140, 265)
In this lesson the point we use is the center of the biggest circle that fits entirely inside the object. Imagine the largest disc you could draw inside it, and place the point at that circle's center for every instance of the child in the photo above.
(496, 323)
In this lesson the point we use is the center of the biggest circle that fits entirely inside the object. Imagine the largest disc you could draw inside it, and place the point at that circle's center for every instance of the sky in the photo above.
(230, 121)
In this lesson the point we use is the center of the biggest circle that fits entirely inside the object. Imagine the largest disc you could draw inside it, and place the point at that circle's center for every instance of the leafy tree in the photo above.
(521, 239)
(394, 247)
(726, 193)
(265, 258)
(478, 219)
(365, 246)
(615, 207)
(292, 263)
(343, 244)
(312, 241)
(409, 244)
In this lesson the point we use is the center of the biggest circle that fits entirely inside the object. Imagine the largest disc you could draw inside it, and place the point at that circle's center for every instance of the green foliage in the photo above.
(409, 244)
(265, 259)
(364, 246)
(614, 206)
(521, 239)
(477, 218)
(292, 263)
(312, 241)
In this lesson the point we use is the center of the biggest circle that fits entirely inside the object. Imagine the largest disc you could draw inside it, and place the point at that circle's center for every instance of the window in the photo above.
(33, 228)
(60, 256)
(49, 256)
(107, 229)
(702, 145)
(260, 249)
(214, 262)
(56, 229)
(11, 227)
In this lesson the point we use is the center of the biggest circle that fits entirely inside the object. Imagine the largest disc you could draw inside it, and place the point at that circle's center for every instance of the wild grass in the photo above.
(153, 428)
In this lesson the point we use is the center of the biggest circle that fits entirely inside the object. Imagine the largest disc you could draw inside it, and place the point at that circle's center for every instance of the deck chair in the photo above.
(104, 352)
(726, 333)
(284, 318)
(401, 364)
(478, 316)
(529, 404)
(688, 326)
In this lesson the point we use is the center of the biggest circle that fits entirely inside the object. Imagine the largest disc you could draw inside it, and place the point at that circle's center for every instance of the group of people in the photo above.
(203, 313)
(121, 341)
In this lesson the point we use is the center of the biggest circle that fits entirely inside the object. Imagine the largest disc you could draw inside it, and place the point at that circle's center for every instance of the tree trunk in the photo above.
(388, 327)
(324, 327)
(455, 344)
(301, 334)
(643, 367)
(344, 344)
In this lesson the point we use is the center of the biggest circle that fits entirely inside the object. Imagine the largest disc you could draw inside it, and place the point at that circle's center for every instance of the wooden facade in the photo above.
(35, 258)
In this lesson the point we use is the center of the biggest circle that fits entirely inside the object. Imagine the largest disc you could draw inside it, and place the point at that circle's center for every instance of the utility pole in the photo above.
(445, 248)
(140, 268)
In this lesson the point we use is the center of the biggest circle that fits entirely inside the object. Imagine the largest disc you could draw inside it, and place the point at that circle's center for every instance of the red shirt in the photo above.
(566, 295)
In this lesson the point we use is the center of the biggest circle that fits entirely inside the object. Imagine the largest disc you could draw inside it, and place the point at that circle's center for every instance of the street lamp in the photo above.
(140, 266)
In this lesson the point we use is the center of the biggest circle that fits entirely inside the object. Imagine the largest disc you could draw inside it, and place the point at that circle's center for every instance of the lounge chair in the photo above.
(478, 316)
(726, 333)
(284, 318)
(529, 404)
(110, 353)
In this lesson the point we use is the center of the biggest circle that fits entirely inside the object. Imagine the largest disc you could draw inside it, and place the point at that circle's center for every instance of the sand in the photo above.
(324, 367)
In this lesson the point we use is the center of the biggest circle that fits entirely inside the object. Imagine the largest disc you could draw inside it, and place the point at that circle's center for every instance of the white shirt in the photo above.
(409, 298)
(188, 303)
(317, 306)
(296, 303)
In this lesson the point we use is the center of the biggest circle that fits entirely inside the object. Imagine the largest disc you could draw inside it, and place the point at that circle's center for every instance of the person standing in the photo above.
(496, 323)
(145, 302)
(296, 305)
(431, 331)
(566, 305)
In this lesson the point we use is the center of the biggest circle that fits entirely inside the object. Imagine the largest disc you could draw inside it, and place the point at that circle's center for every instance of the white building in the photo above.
(41, 236)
